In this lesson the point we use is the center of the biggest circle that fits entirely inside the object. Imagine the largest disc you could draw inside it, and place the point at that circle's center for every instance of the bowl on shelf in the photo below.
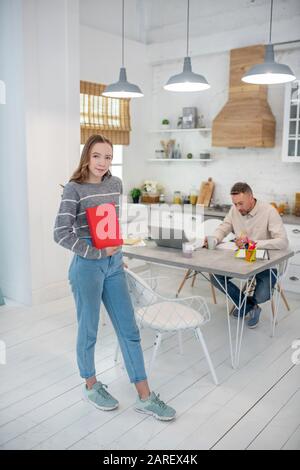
(221, 207)
(204, 156)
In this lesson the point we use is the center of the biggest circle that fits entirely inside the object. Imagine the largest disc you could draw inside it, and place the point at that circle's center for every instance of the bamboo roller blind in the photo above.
(103, 115)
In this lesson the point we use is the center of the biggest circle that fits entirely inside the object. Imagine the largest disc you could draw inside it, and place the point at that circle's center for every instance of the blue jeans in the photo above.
(261, 292)
(93, 281)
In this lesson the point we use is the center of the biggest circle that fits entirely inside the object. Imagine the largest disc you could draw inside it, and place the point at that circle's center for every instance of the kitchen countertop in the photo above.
(291, 219)
(287, 219)
(219, 213)
(215, 212)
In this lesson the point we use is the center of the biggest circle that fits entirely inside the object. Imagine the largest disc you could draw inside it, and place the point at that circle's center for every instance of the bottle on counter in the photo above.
(177, 198)
(281, 208)
(287, 209)
(193, 196)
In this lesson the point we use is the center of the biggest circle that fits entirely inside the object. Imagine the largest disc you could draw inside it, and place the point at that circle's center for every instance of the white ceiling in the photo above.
(154, 21)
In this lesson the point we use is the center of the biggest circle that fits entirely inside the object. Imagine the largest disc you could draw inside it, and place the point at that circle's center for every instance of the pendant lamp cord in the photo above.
(271, 16)
(122, 33)
(188, 28)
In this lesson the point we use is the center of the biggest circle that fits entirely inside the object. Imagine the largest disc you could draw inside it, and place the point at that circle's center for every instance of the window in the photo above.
(117, 163)
(103, 115)
(291, 125)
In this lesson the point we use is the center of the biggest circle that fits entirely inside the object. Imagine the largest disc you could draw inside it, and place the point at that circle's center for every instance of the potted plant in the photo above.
(165, 124)
(135, 194)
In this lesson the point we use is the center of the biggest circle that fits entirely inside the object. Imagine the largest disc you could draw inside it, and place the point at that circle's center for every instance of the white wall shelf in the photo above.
(173, 160)
(187, 139)
(197, 129)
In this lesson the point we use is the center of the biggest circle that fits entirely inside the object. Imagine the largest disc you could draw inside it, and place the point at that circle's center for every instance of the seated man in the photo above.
(260, 222)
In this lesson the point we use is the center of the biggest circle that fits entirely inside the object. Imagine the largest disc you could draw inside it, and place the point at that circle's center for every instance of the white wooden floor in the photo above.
(255, 407)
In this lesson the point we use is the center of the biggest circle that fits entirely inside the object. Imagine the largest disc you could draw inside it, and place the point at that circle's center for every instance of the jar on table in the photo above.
(177, 198)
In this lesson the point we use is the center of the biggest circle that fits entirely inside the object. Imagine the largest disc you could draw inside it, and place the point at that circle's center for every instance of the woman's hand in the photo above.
(111, 250)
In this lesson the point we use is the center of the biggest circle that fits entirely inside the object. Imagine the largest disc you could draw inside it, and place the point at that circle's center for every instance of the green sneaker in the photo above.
(155, 407)
(99, 397)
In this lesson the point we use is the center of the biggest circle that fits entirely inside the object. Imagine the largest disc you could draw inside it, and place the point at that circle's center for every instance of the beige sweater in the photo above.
(263, 225)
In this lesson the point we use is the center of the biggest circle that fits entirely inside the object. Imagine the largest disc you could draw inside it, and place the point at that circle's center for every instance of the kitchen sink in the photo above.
(221, 207)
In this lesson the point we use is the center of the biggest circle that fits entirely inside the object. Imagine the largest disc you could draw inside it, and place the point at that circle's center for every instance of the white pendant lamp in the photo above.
(187, 80)
(269, 72)
(122, 88)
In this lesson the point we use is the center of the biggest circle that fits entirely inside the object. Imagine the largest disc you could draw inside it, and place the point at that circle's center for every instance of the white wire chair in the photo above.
(167, 315)
(277, 293)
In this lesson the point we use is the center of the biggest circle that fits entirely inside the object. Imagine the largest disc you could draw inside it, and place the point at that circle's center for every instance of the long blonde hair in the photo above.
(81, 174)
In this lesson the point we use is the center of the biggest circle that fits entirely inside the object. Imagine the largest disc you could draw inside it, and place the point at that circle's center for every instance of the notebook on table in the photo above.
(104, 226)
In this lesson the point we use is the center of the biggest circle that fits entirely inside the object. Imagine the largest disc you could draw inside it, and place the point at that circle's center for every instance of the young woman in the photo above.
(98, 275)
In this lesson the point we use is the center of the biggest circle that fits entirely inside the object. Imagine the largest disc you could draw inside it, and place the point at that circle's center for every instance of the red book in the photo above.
(104, 226)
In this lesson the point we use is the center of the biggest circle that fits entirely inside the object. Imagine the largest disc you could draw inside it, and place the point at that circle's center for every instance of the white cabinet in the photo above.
(177, 217)
(292, 277)
(291, 123)
(135, 220)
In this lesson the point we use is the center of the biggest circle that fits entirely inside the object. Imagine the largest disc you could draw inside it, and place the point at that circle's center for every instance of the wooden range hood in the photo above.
(246, 120)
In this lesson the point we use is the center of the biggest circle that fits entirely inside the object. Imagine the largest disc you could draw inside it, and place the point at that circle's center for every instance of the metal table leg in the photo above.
(235, 347)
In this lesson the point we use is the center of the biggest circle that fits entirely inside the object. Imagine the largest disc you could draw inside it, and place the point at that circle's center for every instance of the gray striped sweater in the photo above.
(71, 223)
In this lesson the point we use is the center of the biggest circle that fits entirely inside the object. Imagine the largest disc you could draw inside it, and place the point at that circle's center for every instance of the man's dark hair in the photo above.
(238, 188)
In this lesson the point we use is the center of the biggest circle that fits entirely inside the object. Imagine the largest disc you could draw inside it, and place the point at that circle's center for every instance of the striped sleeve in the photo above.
(64, 233)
